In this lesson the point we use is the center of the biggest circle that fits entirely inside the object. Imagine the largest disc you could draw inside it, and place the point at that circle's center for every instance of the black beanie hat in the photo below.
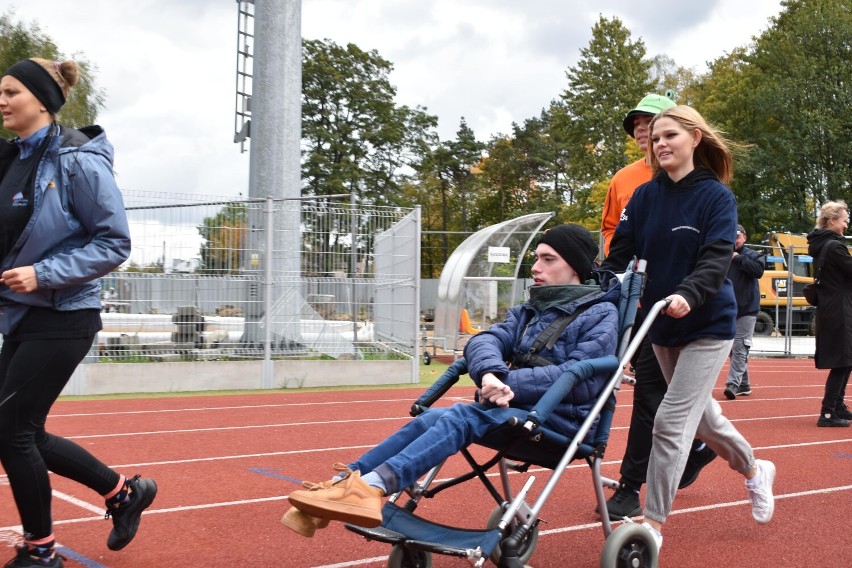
(575, 245)
(40, 83)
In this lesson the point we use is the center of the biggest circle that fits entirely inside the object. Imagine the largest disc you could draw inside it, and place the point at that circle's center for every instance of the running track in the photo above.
(225, 465)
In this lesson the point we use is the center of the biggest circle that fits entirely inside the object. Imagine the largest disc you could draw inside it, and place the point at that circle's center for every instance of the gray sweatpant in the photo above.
(689, 411)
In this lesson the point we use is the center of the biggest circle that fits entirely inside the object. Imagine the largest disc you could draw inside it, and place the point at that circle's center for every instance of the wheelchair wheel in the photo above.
(629, 546)
(529, 544)
(401, 557)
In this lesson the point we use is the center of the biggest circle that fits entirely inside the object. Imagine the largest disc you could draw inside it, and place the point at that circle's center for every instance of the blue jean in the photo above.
(404, 456)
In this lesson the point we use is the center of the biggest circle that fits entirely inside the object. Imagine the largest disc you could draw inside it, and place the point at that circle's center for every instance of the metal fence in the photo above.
(233, 279)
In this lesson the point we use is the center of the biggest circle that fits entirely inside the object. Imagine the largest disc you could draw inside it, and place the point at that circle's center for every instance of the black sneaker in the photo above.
(22, 559)
(694, 464)
(842, 411)
(743, 391)
(126, 517)
(730, 392)
(624, 503)
(828, 420)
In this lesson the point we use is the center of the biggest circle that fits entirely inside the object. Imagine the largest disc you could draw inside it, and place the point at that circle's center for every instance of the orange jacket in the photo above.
(621, 188)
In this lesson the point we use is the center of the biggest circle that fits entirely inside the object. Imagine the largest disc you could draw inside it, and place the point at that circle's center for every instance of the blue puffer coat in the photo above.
(594, 333)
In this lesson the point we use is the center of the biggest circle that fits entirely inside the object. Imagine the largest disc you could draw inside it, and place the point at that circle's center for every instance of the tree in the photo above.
(603, 86)
(788, 96)
(447, 189)
(517, 175)
(20, 41)
(355, 139)
(225, 240)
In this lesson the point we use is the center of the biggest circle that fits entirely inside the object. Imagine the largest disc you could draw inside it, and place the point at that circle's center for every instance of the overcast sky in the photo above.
(168, 67)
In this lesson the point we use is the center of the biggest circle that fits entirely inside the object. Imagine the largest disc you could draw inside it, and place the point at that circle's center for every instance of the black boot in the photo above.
(828, 418)
(842, 411)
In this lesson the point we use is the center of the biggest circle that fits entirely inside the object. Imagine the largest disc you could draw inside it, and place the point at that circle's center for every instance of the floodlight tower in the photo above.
(269, 111)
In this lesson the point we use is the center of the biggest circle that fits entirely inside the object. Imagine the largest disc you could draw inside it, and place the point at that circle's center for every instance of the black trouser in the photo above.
(835, 389)
(648, 393)
(32, 375)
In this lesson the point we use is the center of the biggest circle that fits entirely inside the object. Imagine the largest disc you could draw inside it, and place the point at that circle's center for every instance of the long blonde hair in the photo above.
(713, 151)
(830, 210)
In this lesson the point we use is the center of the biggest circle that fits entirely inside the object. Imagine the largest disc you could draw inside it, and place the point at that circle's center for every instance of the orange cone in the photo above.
(465, 325)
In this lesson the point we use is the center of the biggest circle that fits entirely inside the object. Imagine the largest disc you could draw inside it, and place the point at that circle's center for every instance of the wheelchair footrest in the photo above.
(380, 534)
(402, 527)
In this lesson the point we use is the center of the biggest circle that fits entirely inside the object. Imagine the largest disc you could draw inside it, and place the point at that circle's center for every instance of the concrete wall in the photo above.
(118, 378)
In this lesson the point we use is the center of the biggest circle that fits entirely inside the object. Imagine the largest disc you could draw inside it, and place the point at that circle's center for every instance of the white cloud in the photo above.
(169, 68)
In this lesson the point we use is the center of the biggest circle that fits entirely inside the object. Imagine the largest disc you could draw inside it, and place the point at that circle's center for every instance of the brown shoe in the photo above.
(348, 500)
(302, 523)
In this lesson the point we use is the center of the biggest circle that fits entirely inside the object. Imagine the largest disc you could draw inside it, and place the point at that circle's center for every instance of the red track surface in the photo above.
(224, 465)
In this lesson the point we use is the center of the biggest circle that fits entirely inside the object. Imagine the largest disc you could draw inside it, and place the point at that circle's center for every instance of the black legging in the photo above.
(835, 389)
(32, 375)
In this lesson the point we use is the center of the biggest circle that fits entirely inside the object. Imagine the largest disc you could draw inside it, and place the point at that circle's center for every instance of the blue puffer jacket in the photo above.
(594, 333)
(78, 231)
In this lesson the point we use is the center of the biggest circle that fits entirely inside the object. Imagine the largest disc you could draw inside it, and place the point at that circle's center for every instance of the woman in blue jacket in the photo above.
(509, 384)
(62, 227)
(683, 222)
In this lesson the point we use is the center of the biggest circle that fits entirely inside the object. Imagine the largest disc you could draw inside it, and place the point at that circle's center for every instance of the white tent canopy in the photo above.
(469, 279)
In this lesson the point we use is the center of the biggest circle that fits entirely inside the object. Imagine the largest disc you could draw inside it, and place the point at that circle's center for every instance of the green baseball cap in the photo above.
(651, 105)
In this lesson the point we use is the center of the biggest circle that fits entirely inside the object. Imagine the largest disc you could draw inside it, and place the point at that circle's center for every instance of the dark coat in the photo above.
(745, 270)
(834, 312)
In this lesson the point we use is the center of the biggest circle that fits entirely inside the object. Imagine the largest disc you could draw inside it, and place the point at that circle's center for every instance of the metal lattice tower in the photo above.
(245, 48)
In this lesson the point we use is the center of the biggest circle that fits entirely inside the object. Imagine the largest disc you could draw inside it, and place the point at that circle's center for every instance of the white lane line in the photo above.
(380, 419)
(380, 401)
(597, 526)
(97, 509)
(79, 502)
(245, 407)
(221, 428)
(368, 446)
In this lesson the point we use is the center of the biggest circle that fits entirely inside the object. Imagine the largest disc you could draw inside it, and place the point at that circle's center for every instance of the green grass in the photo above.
(428, 374)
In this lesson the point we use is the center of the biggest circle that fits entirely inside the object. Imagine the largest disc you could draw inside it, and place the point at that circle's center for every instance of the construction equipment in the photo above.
(788, 270)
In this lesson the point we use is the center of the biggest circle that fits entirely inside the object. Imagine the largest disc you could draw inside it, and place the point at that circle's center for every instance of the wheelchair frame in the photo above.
(511, 533)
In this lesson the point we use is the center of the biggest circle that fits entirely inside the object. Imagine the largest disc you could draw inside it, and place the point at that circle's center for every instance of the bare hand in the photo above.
(495, 391)
(678, 306)
(22, 280)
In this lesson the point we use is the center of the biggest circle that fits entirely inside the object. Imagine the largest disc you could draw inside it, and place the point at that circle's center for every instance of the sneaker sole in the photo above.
(306, 528)
(833, 425)
(359, 515)
(147, 499)
(746, 393)
(633, 513)
(771, 495)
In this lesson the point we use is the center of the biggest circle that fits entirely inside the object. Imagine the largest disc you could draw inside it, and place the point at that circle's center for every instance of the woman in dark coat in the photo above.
(834, 312)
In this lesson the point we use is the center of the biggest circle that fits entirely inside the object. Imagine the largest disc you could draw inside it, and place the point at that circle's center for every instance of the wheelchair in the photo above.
(511, 532)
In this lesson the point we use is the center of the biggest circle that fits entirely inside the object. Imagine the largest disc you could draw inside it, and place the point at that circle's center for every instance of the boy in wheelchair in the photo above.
(571, 316)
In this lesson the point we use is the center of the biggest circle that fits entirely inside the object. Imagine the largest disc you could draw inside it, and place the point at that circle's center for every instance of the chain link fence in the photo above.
(208, 279)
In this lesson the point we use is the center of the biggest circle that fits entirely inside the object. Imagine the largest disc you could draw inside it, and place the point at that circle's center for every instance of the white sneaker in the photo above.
(655, 534)
(760, 492)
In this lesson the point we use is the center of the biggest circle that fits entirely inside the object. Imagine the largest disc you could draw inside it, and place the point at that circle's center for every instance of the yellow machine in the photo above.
(787, 265)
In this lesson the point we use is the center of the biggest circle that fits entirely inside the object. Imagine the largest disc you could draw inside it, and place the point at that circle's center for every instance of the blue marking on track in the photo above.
(271, 472)
(77, 557)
